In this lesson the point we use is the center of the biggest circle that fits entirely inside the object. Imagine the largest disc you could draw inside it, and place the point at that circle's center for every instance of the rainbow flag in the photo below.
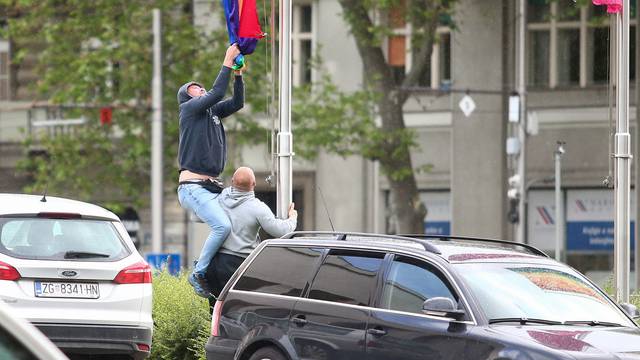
(242, 24)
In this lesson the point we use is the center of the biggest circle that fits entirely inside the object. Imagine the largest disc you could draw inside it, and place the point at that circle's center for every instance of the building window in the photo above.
(4, 70)
(400, 57)
(302, 38)
(568, 44)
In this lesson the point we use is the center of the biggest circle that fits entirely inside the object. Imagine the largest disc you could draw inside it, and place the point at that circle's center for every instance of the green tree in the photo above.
(344, 123)
(98, 53)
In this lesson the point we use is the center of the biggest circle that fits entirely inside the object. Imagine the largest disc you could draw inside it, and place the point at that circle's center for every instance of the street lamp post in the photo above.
(522, 124)
(157, 203)
(559, 205)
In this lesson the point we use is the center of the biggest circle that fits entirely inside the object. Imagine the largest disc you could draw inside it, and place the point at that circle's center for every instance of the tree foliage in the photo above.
(98, 53)
(93, 54)
(370, 122)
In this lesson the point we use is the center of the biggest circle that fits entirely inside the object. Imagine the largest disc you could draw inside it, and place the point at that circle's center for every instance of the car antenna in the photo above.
(44, 196)
(326, 209)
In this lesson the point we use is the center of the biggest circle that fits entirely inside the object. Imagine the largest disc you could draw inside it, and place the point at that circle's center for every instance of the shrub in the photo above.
(635, 300)
(181, 319)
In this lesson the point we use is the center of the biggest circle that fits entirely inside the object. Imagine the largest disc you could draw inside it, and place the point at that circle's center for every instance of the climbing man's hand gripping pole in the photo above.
(293, 213)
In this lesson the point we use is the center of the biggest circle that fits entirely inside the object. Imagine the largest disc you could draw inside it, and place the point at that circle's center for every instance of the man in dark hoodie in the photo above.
(202, 153)
(247, 215)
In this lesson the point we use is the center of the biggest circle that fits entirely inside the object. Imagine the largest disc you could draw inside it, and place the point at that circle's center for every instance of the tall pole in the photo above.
(637, 158)
(522, 135)
(622, 155)
(559, 205)
(285, 138)
(157, 204)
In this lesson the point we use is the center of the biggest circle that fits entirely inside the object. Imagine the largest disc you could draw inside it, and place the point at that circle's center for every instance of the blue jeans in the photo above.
(205, 205)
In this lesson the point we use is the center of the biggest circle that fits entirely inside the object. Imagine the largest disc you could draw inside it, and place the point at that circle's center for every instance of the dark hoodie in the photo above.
(202, 148)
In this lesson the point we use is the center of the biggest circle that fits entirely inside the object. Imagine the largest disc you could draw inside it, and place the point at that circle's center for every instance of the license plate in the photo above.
(67, 290)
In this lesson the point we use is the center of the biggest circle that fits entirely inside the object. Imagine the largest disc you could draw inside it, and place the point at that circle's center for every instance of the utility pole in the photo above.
(157, 203)
(522, 124)
(559, 203)
(285, 137)
(637, 158)
(622, 158)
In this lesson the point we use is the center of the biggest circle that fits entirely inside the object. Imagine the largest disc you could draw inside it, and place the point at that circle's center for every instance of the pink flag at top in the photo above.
(613, 6)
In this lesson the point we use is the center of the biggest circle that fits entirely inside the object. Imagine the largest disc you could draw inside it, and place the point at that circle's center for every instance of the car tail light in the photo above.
(8, 272)
(138, 273)
(59, 215)
(215, 318)
(144, 347)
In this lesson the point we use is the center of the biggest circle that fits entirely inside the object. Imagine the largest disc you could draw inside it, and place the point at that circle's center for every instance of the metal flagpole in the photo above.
(157, 204)
(636, 160)
(522, 135)
(623, 158)
(285, 138)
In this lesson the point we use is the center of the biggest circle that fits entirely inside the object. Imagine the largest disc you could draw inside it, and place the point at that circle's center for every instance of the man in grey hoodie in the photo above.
(247, 215)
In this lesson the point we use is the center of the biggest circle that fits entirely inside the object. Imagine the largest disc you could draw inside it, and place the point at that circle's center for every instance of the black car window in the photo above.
(11, 348)
(347, 278)
(410, 282)
(280, 271)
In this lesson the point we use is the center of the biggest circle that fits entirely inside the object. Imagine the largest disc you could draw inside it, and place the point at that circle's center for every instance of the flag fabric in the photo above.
(242, 24)
(613, 6)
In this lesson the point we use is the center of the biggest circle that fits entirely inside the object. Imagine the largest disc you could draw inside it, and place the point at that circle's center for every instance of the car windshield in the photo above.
(60, 239)
(511, 291)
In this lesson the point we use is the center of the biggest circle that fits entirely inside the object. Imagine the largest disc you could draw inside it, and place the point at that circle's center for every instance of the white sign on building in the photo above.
(589, 214)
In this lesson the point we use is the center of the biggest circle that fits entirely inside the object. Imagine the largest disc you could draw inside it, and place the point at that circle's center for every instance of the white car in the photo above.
(20, 340)
(71, 269)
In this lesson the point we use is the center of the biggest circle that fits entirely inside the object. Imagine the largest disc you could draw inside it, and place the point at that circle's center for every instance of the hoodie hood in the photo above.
(232, 197)
(183, 95)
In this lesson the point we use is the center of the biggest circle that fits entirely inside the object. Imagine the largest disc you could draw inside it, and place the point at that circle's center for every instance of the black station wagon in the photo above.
(365, 296)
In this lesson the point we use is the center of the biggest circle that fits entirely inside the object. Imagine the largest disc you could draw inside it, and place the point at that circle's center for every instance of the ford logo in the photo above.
(69, 273)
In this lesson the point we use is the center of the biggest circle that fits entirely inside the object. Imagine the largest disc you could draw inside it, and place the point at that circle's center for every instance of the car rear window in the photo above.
(61, 239)
(347, 277)
(280, 271)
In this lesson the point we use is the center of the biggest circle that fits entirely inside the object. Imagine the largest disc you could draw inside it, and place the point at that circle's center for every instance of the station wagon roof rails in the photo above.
(344, 235)
(528, 247)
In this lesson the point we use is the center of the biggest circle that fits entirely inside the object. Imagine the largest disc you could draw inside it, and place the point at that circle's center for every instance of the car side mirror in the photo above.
(631, 310)
(442, 307)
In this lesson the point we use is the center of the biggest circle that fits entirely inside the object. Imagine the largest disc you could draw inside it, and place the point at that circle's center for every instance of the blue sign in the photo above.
(593, 235)
(437, 227)
(160, 261)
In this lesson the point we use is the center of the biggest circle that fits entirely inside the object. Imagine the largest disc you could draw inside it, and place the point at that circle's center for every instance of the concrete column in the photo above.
(478, 172)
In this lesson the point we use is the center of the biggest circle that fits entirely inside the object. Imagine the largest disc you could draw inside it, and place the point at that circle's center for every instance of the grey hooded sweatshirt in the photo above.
(247, 215)
(202, 148)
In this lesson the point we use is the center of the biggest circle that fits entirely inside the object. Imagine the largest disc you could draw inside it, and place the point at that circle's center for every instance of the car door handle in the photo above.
(377, 331)
(299, 320)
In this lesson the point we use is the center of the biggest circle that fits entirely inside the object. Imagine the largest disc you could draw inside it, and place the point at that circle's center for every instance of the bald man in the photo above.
(247, 215)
